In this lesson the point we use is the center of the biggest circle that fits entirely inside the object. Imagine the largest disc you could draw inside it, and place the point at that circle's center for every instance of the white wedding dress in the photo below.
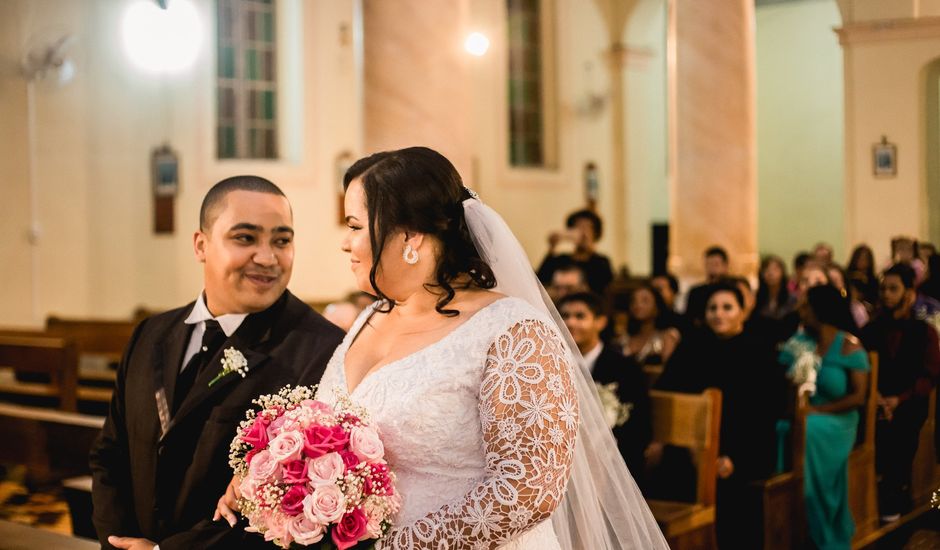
(479, 429)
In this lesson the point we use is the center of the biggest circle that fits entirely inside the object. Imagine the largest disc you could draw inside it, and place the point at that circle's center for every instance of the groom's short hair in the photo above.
(217, 194)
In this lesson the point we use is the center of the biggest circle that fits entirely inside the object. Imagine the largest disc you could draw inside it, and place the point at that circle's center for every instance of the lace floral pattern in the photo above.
(480, 428)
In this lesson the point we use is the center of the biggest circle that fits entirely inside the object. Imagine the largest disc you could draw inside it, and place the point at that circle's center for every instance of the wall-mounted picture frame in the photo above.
(884, 158)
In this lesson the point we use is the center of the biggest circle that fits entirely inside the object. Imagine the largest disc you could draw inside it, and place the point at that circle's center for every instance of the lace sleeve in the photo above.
(529, 416)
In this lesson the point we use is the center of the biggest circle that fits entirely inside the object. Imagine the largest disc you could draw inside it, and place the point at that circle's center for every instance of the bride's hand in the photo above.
(228, 503)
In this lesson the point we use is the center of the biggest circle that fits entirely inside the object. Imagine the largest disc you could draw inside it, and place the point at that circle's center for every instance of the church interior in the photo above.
(801, 131)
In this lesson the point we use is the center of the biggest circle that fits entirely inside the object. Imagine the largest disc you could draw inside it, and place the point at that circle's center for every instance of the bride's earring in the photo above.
(410, 255)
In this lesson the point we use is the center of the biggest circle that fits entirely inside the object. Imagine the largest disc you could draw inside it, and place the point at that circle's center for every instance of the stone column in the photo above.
(416, 77)
(712, 151)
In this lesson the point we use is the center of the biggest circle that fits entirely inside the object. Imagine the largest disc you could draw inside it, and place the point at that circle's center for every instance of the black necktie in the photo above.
(212, 340)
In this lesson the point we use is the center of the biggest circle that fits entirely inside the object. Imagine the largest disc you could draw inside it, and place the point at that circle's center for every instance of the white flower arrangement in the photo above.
(615, 412)
(805, 367)
(233, 362)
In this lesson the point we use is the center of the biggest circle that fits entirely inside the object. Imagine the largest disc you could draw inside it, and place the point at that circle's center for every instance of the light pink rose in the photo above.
(277, 529)
(304, 531)
(274, 428)
(374, 515)
(318, 406)
(365, 443)
(325, 469)
(248, 487)
(264, 467)
(286, 446)
(325, 505)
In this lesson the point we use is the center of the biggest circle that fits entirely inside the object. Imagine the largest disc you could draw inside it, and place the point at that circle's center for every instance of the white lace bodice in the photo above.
(478, 427)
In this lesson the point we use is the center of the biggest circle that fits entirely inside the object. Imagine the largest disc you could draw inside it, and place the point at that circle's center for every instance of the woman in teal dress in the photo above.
(841, 367)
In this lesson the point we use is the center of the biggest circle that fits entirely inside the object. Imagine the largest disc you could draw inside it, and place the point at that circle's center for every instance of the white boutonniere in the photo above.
(615, 412)
(233, 361)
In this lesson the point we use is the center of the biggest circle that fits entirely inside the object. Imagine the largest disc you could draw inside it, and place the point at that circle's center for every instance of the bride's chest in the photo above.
(423, 405)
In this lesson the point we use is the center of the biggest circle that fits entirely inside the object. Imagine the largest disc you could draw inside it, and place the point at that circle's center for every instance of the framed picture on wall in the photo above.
(884, 157)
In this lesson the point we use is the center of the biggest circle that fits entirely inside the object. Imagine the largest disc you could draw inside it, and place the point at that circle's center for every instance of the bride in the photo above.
(496, 438)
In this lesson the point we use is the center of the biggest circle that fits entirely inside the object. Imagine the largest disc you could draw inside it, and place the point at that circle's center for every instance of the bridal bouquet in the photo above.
(312, 474)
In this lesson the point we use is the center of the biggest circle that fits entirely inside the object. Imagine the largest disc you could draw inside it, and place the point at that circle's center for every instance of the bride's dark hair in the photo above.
(418, 189)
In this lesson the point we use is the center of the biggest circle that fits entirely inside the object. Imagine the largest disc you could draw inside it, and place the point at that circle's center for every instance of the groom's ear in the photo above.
(199, 245)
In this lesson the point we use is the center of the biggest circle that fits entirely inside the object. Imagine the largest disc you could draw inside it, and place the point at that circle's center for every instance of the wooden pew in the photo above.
(691, 421)
(53, 445)
(94, 336)
(56, 358)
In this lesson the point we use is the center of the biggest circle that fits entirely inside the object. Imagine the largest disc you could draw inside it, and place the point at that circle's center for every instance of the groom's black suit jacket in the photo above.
(635, 434)
(165, 487)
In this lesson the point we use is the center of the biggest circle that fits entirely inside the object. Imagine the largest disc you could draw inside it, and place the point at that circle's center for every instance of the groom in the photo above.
(161, 461)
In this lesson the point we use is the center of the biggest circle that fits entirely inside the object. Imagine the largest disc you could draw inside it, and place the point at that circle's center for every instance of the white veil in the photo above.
(603, 508)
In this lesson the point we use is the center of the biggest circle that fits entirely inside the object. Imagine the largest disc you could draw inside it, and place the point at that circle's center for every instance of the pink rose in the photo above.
(325, 504)
(257, 435)
(351, 419)
(350, 529)
(295, 472)
(264, 467)
(318, 406)
(349, 459)
(292, 503)
(304, 531)
(374, 517)
(248, 487)
(286, 446)
(326, 469)
(365, 442)
(274, 428)
(277, 529)
(319, 440)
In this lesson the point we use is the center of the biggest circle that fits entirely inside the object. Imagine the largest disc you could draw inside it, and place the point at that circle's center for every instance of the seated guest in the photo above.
(822, 253)
(716, 268)
(931, 286)
(812, 275)
(799, 262)
(566, 279)
(668, 287)
(742, 366)
(832, 422)
(909, 364)
(584, 316)
(904, 250)
(584, 229)
(837, 279)
(862, 267)
(649, 339)
(861, 310)
(774, 300)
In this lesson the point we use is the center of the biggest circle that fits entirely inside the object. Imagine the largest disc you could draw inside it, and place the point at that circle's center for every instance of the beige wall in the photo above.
(799, 128)
(886, 95)
(97, 255)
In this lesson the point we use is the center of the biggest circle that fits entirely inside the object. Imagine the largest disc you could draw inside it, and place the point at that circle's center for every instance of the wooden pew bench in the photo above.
(691, 421)
(52, 444)
(52, 359)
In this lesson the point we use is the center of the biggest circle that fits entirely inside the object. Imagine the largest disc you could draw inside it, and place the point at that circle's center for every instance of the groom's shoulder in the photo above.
(301, 318)
(163, 320)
